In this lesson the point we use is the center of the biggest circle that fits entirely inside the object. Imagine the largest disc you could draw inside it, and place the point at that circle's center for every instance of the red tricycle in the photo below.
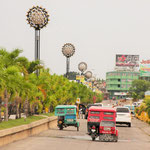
(102, 123)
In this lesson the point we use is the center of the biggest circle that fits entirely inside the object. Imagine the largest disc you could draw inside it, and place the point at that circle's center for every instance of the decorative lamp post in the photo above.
(68, 50)
(93, 79)
(82, 66)
(88, 74)
(37, 17)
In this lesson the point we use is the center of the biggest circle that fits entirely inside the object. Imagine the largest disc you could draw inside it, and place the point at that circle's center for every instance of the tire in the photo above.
(85, 117)
(129, 124)
(60, 127)
(115, 138)
(93, 138)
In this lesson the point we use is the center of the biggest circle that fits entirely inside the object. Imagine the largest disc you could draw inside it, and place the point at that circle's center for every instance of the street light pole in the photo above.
(37, 44)
(68, 50)
(38, 18)
(67, 66)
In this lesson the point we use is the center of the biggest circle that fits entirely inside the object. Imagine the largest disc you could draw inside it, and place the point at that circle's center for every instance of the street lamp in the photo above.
(88, 74)
(82, 66)
(68, 50)
(37, 17)
(93, 79)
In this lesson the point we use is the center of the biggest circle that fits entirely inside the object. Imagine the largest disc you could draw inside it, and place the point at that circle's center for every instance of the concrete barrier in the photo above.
(21, 132)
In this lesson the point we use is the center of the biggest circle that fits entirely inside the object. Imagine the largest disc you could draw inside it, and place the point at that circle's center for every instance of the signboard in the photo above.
(147, 93)
(120, 93)
(78, 101)
(145, 68)
(80, 78)
(127, 60)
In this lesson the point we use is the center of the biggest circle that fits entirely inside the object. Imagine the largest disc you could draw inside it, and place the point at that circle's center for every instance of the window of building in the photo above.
(123, 80)
(129, 74)
(129, 80)
(123, 74)
(129, 85)
(118, 85)
(123, 86)
(118, 80)
(118, 74)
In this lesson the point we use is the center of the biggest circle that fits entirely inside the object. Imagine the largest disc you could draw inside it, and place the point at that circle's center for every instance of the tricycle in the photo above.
(102, 123)
(66, 116)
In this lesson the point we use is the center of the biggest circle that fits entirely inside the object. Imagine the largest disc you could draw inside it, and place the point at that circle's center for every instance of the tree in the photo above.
(138, 88)
(72, 75)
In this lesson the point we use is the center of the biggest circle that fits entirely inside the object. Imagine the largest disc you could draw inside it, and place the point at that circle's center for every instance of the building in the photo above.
(145, 70)
(119, 82)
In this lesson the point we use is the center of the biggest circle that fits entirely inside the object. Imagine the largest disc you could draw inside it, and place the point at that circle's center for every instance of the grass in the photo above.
(18, 122)
(48, 114)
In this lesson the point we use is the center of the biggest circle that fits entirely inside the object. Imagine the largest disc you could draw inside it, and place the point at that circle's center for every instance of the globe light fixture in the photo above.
(88, 74)
(93, 80)
(38, 18)
(82, 66)
(68, 50)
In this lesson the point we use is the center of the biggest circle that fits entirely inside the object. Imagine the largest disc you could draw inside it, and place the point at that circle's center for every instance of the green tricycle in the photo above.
(66, 116)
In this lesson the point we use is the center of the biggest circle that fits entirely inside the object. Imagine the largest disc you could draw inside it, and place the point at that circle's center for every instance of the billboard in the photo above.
(80, 78)
(145, 68)
(127, 60)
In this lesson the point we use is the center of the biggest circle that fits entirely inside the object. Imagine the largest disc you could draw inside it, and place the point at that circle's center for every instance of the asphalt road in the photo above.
(133, 138)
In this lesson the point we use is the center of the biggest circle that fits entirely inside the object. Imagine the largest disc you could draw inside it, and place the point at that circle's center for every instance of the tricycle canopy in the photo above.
(97, 114)
(62, 110)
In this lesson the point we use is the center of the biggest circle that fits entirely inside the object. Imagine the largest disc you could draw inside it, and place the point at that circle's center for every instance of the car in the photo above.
(132, 109)
(123, 115)
(88, 106)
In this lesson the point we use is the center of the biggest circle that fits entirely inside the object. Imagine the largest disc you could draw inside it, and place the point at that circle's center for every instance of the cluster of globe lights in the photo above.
(68, 50)
(37, 17)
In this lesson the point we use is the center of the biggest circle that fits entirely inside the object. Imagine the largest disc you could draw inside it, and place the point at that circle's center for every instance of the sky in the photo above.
(99, 29)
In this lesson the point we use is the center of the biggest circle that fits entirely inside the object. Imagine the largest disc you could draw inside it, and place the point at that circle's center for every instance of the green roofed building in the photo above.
(119, 82)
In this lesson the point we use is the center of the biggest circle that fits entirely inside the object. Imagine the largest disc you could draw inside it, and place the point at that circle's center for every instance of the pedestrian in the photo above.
(81, 113)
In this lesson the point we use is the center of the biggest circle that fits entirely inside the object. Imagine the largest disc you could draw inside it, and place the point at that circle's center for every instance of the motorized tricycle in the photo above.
(102, 123)
(66, 116)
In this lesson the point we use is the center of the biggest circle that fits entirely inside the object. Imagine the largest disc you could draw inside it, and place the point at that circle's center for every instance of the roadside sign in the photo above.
(78, 101)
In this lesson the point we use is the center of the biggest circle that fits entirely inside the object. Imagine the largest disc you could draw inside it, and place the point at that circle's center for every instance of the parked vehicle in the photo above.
(88, 106)
(99, 104)
(102, 123)
(132, 109)
(66, 116)
(123, 116)
(135, 104)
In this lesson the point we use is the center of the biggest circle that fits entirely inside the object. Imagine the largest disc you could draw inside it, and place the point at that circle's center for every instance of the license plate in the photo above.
(107, 129)
(69, 120)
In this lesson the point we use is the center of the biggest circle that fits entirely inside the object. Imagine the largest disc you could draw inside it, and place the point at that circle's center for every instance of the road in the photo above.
(133, 138)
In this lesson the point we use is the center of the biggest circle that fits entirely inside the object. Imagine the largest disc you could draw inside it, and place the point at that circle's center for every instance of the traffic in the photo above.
(101, 119)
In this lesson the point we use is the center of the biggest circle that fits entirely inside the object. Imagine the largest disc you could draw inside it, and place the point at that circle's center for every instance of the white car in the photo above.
(123, 116)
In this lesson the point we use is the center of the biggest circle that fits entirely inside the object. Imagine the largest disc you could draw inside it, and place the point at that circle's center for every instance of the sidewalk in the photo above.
(145, 127)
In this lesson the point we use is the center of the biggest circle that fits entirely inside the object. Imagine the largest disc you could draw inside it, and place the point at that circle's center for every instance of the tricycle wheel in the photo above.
(129, 125)
(93, 138)
(60, 127)
(115, 138)
(77, 128)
